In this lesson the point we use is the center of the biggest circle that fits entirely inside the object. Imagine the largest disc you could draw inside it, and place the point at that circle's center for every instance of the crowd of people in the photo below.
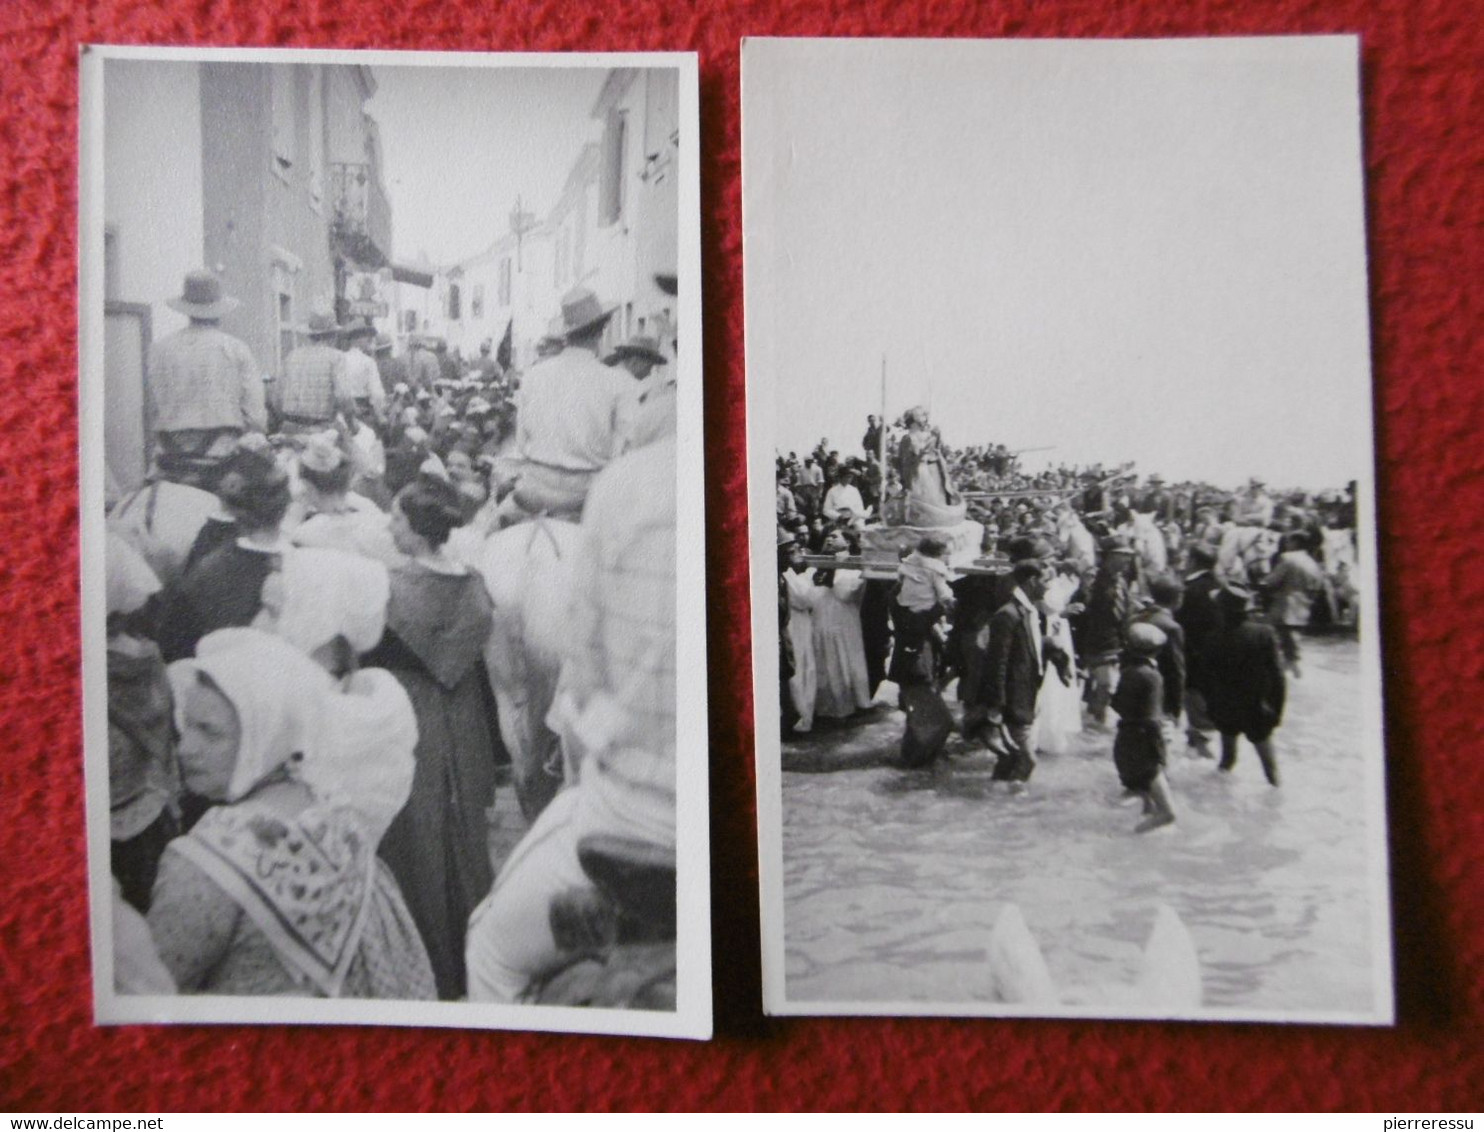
(1179, 606)
(313, 694)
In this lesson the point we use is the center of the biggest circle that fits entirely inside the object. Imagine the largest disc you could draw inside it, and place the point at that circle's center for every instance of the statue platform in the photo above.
(963, 540)
(882, 547)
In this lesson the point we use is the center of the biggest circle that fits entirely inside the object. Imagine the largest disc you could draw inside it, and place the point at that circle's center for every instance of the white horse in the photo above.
(161, 520)
(1246, 554)
(528, 570)
(1149, 543)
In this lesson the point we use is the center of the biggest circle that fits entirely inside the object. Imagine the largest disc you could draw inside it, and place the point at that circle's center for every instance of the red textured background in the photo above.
(1423, 64)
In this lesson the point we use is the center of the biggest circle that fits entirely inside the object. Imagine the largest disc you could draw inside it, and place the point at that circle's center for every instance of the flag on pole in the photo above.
(507, 346)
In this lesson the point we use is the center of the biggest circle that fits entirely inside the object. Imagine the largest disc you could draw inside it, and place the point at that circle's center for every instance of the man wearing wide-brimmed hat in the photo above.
(568, 425)
(1253, 506)
(362, 378)
(205, 389)
(650, 411)
(314, 386)
(423, 369)
(639, 355)
(485, 367)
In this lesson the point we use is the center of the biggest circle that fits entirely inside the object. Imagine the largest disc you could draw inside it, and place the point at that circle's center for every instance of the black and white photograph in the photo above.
(1064, 589)
(392, 531)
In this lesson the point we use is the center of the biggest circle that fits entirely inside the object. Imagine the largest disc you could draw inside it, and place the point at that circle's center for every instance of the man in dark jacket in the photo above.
(978, 596)
(1100, 627)
(1199, 618)
(1245, 686)
(1017, 658)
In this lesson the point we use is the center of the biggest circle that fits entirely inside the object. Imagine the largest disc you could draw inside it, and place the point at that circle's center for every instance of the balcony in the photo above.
(361, 217)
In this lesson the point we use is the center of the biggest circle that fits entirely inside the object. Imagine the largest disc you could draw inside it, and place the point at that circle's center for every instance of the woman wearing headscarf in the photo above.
(224, 588)
(330, 515)
(331, 606)
(438, 620)
(143, 784)
(277, 889)
(839, 645)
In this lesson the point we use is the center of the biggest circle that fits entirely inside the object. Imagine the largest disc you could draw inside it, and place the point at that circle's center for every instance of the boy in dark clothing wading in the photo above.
(1139, 747)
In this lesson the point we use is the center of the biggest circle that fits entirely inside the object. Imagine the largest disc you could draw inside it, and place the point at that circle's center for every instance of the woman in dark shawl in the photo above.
(222, 587)
(437, 622)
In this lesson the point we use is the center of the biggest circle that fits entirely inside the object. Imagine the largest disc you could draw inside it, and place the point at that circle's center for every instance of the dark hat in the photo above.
(1237, 587)
(320, 325)
(361, 328)
(668, 282)
(1112, 544)
(581, 311)
(1202, 553)
(201, 297)
(639, 346)
(383, 344)
(1028, 548)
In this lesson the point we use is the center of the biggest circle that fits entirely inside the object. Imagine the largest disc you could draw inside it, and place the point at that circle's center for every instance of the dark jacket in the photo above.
(223, 590)
(1245, 688)
(1199, 618)
(1012, 675)
(1170, 659)
(1101, 625)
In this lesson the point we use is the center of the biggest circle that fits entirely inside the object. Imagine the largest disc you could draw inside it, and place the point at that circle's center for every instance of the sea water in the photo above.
(894, 878)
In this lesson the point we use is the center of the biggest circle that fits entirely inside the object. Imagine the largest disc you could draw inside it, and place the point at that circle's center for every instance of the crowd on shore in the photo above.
(1179, 606)
(344, 608)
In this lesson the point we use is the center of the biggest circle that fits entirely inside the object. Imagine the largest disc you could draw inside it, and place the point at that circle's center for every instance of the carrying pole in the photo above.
(881, 440)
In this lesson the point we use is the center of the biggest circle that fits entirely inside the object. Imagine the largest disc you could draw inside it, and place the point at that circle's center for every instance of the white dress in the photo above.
(803, 685)
(1058, 707)
(839, 647)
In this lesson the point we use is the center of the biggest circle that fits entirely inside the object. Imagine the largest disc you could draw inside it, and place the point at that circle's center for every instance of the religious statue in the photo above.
(929, 498)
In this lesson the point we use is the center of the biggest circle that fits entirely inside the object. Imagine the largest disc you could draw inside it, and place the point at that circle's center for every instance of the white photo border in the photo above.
(759, 153)
(692, 1017)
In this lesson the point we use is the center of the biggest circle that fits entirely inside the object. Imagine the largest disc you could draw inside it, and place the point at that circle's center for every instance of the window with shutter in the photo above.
(610, 202)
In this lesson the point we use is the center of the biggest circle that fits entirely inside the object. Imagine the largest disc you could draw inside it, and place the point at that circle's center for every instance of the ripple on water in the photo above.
(893, 879)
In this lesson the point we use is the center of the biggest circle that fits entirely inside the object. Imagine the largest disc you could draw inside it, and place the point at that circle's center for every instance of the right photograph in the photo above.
(1064, 575)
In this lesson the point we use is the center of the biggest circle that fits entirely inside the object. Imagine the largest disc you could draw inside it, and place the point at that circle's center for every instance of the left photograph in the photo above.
(392, 529)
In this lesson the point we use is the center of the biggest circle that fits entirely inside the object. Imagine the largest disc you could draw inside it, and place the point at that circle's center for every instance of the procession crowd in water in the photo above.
(347, 607)
(1179, 606)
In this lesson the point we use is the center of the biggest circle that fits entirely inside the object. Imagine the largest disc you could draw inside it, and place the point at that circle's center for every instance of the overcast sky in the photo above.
(1127, 250)
(461, 142)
